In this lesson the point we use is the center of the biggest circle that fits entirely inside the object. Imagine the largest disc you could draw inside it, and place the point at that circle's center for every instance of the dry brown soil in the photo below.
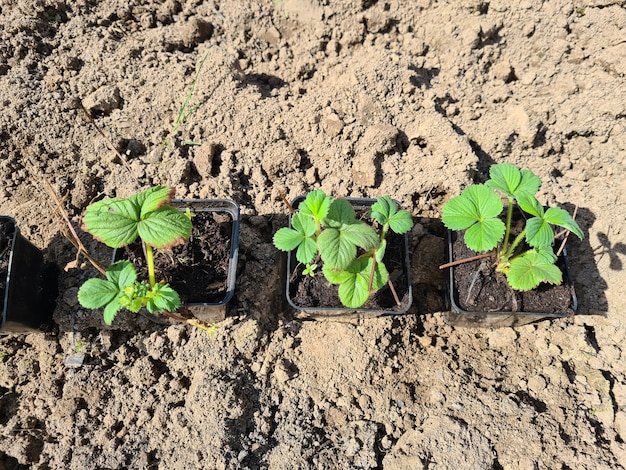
(360, 98)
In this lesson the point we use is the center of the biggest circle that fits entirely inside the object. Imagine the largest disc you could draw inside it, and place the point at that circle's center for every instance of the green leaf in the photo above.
(111, 223)
(562, 218)
(353, 292)
(547, 253)
(335, 249)
(162, 298)
(316, 204)
(110, 311)
(530, 183)
(152, 199)
(383, 209)
(339, 214)
(511, 181)
(539, 233)
(300, 237)
(381, 275)
(380, 251)
(476, 209)
(485, 235)
(309, 270)
(165, 227)
(306, 251)
(96, 293)
(304, 224)
(460, 212)
(401, 222)
(530, 269)
(118, 222)
(122, 274)
(360, 234)
(504, 177)
(336, 276)
(287, 239)
(355, 279)
(475, 203)
(529, 203)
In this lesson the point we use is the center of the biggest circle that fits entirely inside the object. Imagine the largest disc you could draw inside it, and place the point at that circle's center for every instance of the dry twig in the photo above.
(67, 230)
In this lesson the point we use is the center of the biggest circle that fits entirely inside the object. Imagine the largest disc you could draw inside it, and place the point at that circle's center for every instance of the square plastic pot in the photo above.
(458, 316)
(30, 287)
(343, 313)
(212, 311)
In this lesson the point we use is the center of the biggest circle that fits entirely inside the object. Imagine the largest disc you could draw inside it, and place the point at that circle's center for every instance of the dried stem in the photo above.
(67, 229)
(464, 260)
(287, 203)
(565, 233)
(393, 291)
(189, 321)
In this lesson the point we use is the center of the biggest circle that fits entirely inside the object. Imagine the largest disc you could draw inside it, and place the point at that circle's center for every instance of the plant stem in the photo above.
(372, 273)
(508, 253)
(150, 261)
(509, 216)
(384, 232)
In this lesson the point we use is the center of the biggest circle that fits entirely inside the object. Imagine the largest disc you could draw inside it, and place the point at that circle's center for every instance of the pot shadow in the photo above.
(427, 247)
(259, 291)
(589, 285)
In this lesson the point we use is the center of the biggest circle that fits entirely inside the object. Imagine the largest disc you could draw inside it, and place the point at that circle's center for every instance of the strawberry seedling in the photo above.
(350, 250)
(478, 209)
(118, 222)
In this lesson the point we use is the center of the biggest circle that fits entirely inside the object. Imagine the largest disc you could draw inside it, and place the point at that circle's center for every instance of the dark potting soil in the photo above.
(7, 230)
(482, 289)
(307, 291)
(197, 270)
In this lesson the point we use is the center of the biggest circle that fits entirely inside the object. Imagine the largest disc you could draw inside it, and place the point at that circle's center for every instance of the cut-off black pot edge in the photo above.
(345, 313)
(29, 298)
(212, 312)
(457, 316)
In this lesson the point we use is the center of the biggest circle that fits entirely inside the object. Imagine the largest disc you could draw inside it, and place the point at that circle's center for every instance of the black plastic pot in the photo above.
(326, 312)
(457, 316)
(211, 310)
(29, 292)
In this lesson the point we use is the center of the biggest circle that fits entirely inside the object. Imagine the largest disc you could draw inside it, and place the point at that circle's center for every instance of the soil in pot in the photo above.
(482, 289)
(316, 292)
(197, 270)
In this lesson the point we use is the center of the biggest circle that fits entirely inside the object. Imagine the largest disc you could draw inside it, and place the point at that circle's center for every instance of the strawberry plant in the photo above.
(478, 209)
(118, 222)
(351, 251)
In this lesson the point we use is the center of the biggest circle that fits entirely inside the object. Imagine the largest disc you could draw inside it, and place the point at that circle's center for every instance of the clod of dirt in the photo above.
(195, 31)
(378, 140)
(104, 99)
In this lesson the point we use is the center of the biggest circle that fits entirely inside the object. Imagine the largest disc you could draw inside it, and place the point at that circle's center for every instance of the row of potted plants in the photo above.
(345, 257)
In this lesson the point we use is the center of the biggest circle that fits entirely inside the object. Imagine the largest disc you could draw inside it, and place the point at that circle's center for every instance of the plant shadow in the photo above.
(589, 284)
